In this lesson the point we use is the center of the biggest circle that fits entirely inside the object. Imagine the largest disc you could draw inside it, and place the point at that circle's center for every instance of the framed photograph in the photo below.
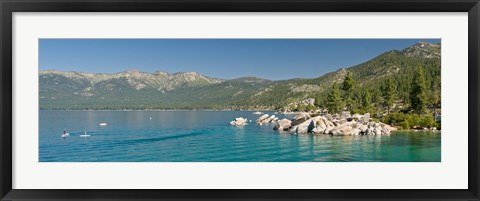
(239, 100)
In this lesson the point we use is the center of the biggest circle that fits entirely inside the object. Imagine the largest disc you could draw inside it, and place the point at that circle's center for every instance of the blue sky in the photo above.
(274, 59)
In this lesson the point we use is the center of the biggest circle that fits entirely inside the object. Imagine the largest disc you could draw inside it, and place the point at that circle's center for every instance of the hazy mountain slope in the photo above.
(126, 89)
(138, 90)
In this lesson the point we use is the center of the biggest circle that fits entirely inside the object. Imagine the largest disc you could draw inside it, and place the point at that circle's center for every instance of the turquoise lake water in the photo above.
(206, 136)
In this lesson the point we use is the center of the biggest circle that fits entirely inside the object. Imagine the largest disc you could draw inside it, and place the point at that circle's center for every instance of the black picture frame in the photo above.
(7, 7)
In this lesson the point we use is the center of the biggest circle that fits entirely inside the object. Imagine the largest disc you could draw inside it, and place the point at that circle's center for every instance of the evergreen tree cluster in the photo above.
(416, 114)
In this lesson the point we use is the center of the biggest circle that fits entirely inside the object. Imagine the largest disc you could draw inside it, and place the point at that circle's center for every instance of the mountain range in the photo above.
(190, 90)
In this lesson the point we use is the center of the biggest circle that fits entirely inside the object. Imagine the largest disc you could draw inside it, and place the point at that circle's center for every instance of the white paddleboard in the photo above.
(85, 135)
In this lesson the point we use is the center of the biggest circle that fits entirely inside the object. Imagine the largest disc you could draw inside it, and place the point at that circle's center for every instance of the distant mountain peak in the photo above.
(159, 72)
(425, 45)
(48, 71)
(187, 73)
(424, 50)
(158, 80)
(131, 72)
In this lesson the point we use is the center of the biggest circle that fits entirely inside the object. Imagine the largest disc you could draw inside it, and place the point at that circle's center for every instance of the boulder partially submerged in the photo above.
(283, 125)
(300, 118)
(261, 118)
(265, 119)
(239, 121)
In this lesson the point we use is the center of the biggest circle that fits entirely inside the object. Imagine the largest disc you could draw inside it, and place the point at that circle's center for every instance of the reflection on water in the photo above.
(202, 136)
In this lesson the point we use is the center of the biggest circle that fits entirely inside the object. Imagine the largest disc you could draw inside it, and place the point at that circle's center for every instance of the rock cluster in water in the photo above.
(265, 119)
(340, 124)
(239, 121)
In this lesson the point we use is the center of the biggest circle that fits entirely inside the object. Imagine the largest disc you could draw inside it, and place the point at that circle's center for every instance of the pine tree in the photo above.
(389, 94)
(334, 100)
(347, 87)
(418, 96)
(435, 99)
(367, 101)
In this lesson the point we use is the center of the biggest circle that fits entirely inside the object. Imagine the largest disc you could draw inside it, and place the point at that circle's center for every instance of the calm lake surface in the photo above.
(206, 136)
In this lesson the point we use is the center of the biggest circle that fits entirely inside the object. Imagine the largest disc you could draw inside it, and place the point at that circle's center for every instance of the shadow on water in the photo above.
(158, 139)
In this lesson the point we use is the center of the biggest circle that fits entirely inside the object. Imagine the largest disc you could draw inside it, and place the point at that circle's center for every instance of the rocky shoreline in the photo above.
(342, 124)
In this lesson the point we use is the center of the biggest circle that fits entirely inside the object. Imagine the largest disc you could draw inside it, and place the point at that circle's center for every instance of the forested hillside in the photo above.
(370, 78)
